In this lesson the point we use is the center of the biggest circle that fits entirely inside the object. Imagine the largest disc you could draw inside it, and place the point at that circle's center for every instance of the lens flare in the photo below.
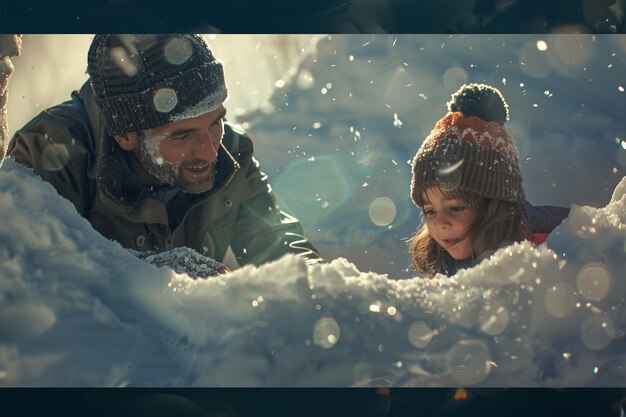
(533, 61)
(382, 211)
(493, 319)
(597, 332)
(560, 300)
(420, 334)
(469, 362)
(165, 99)
(121, 58)
(326, 332)
(178, 51)
(594, 281)
(454, 77)
(542, 45)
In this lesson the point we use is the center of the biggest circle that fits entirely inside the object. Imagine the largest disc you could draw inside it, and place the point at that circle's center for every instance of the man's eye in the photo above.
(179, 138)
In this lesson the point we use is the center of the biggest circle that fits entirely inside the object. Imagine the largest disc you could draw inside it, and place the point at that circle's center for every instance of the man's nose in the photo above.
(205, 148)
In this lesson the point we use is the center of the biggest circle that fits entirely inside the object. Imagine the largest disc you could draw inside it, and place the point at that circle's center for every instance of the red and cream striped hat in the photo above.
(469, 149)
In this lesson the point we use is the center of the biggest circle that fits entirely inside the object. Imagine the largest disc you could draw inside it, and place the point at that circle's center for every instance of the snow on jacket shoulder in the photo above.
(67, 145)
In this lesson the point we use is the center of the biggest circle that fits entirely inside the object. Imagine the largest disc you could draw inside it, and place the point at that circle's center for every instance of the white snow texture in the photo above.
(78, 310)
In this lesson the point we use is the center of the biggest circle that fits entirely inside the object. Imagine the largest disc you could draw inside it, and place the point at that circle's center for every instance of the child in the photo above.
(467, 181)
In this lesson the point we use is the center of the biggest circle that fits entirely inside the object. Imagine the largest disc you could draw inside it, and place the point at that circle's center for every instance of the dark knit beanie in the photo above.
(145, 81)
(470, 150)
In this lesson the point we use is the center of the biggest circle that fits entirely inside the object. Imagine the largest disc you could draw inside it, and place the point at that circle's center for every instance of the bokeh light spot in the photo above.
(493, 320)
(594, 281)
(165, 99)
(177, 51)
(454, 77)
(597, 332)
(326, 332)
(533, 61)
(449, 177)
(399, 90)
(571, 54)
(542, 45)
(420, 334)
(382, 211)
(469, 362)
(560, 300)
(304, 186)
(123, 60)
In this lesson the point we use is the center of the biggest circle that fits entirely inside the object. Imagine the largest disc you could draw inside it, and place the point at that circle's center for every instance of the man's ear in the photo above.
(127, 141)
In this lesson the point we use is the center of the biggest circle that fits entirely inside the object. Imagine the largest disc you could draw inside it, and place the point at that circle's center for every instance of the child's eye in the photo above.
(429, 212)
(457, 208)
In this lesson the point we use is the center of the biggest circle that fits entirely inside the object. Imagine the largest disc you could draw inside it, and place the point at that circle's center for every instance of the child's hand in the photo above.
(10, 46)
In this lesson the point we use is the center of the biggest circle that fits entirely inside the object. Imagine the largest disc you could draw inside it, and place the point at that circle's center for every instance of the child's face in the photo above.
(448, 220)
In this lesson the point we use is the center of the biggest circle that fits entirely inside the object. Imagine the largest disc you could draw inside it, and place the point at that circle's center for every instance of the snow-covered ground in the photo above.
(334, 138)
(77, 309)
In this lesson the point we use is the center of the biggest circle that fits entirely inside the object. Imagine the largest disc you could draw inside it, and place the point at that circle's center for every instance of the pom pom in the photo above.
(480, 100)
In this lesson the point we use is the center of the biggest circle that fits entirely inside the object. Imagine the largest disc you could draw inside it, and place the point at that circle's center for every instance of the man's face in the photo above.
(183, 153)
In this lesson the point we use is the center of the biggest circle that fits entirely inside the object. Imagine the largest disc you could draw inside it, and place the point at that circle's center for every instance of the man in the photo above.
(144, 152)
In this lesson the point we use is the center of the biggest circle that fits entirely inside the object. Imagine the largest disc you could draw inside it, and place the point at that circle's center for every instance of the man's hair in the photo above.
(497, 223)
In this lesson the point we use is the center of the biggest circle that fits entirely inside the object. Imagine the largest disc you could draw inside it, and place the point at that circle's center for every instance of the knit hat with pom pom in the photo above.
(469, 149)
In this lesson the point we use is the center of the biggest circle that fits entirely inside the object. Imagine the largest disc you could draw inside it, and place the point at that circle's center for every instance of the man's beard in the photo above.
(147, 152)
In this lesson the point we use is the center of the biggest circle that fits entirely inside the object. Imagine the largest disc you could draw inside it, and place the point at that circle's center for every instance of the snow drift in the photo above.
(79, 310)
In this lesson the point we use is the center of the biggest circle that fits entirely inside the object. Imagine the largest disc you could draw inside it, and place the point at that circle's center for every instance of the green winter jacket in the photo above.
(68, 147)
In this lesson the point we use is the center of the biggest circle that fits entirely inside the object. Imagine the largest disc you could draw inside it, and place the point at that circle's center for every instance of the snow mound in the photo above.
(79, 310)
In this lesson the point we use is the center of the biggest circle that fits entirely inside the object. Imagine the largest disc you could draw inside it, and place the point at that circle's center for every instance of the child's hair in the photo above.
(497, 222)
(469, 152)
